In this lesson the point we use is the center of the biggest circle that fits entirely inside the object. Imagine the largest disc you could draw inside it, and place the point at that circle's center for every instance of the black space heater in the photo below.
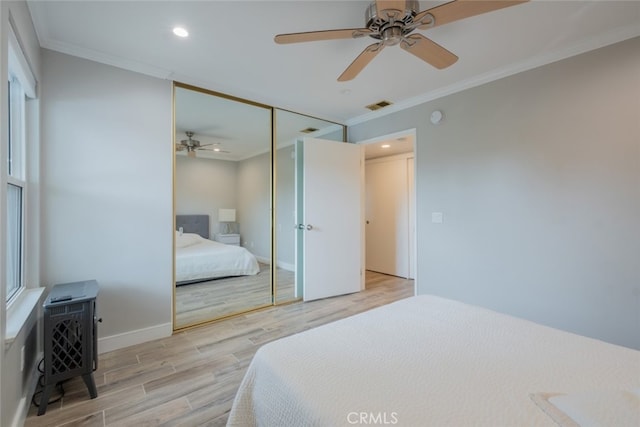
(70, 336)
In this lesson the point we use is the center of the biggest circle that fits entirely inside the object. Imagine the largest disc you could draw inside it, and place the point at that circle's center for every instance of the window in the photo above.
(16, 187)
(21, 86)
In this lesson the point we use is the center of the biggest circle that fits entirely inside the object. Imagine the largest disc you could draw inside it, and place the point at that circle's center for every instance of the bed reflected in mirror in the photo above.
(222, 193)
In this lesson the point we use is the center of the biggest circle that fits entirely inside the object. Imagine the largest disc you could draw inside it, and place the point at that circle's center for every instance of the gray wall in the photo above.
(203, 186)
(254, 205)
(285, 207)
(107, 191)
(538, 177)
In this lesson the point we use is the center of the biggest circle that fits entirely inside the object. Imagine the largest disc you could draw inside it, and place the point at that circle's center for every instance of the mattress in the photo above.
(198, 258)
(428, 361)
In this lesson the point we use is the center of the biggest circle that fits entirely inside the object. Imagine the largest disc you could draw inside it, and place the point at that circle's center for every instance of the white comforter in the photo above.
(200, 258)
(426, 361)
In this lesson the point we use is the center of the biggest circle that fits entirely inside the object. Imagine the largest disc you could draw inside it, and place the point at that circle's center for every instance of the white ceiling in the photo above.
(231, 47)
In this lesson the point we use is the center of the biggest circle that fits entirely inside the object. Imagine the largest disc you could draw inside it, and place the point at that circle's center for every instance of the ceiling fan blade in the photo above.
(390, 6)
(428, 50)
(460, 9)
(360, 62)
(351, 33)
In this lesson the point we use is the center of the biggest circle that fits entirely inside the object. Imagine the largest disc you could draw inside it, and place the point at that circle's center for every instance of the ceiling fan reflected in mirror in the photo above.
(192, 145)
(393, 22)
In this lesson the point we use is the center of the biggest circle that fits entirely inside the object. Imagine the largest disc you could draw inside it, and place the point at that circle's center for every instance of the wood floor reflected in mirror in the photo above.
(200, 302)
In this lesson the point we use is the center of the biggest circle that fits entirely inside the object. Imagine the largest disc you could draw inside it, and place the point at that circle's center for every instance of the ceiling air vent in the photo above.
(379, 105)
(308, 130)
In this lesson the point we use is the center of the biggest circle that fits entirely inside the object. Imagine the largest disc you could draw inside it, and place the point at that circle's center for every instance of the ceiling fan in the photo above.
(393, 22)
(191, 145)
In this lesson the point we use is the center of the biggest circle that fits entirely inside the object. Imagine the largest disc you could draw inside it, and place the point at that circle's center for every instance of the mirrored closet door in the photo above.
(236, 187)
(222, 198)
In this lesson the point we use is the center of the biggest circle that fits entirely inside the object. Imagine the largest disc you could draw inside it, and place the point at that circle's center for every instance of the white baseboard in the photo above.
(286, 266)
(22, 409)
(21, 413)
(280, 264)
(263, 259)
(126, 339)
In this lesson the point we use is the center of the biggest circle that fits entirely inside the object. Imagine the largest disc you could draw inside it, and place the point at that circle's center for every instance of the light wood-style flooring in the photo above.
(190, 378)
(203, 301)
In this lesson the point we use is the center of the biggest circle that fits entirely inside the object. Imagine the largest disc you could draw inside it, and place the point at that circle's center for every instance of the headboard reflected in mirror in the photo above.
(198, 224)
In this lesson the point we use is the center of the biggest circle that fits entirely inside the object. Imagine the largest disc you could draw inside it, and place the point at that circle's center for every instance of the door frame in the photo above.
(404, 133)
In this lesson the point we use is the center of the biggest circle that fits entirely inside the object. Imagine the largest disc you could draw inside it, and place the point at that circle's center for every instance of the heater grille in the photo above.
(66, 344)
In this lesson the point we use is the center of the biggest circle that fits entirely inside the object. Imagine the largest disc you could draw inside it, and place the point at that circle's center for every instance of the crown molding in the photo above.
(583, 46)
(46, 42)
(615, 36)
(107, 59)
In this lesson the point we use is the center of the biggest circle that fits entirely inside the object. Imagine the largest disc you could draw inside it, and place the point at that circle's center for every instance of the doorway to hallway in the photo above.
(390, 204)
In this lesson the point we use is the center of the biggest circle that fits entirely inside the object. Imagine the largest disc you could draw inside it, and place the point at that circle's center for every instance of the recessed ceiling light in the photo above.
(180, 32)
(216, 150)
(385, 146)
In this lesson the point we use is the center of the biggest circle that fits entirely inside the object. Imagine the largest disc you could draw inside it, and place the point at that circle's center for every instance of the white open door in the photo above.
(332, 231)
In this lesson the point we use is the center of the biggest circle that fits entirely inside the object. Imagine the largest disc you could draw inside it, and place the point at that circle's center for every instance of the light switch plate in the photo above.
(436, 217)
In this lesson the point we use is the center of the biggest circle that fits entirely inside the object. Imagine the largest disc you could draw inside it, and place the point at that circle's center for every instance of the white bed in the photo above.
(428, 361)
(198, 258)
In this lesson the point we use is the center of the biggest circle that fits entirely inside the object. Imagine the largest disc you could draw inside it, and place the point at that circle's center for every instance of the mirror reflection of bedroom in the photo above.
(223, 197)
(223, 206)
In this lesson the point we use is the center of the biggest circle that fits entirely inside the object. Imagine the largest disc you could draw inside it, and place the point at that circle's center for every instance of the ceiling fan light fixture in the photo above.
(391, 36)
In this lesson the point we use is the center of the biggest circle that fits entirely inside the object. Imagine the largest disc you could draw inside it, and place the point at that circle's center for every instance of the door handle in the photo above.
(298, 226)
(309, 227)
